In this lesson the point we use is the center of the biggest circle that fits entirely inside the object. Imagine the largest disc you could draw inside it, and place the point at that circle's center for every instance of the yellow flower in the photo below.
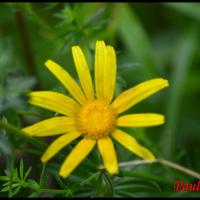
(93, 116)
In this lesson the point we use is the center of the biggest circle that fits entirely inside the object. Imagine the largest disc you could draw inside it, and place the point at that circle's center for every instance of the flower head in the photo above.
(91, 114)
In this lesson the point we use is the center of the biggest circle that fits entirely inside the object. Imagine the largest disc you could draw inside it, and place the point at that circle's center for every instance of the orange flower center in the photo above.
(96, 119)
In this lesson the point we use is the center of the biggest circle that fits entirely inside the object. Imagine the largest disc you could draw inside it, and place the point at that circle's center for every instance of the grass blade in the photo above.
(135, 38)
(182, 62)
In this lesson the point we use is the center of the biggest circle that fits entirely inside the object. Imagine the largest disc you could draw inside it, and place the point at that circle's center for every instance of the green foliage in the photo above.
(151, 40)
(17, 180)
(140, 48)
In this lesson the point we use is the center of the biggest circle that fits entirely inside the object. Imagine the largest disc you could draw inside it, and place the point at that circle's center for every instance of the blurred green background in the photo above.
(151, 40)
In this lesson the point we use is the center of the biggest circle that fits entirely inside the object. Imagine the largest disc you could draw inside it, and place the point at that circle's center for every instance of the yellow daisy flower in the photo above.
(93, 116)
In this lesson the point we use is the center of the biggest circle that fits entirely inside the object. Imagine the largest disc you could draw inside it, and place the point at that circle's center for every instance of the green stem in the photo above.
(11, 180)
(55, 191)
(13, 130)
(32, 114)
(180, 168)
(89, 178)
(162, 161)
(37, 18)
(28, 150)
(124, 164)
(42, 175)
(76, 187)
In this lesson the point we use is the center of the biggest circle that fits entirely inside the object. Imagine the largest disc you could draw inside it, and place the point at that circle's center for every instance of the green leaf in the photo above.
(183, 57)
(4, 178)
(35, 194)
(28, 7)
(27, 173)
(42, 177)
(16, 190)
(6, 183)
(190, 9)
(20, 84)
(33, 184)
(5, 144)
(60, 181)
(15, 175)
(145, 176)
(135, 38)
(5, 189)
(88, 180)
(21, 170)
(107, 189)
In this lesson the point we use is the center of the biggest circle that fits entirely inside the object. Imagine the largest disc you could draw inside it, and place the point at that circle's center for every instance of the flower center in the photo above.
(96, 119)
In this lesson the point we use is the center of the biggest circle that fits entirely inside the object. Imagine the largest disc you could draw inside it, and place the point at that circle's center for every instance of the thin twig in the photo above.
(179, 167)
(135, 162)
(162, 161)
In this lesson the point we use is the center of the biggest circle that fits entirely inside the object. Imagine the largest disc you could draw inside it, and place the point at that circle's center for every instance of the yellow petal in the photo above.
(58, 144)
(110, 75)
(100, 60)
(136, 94)
(132, 145)
(52, 126)
(108, 154)
(54, 101)
(83, 72)
(80, 151)
(140, 120)
(64, 77)
(105, 71)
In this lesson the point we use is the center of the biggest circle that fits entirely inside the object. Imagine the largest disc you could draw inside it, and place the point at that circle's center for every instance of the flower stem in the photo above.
(162, 161)
(42, 175)
(179, 167)
(54, 191)
(13, 130)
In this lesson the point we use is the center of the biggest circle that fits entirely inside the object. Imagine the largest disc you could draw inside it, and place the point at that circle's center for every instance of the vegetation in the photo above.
(151, 40)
